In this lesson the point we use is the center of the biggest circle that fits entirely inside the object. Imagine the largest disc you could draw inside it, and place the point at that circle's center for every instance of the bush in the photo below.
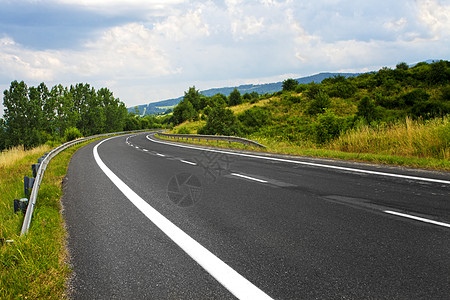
(183, 130)
(327, 127)
(72, 133)
(319, 104)
(221, 121)
(253, 119)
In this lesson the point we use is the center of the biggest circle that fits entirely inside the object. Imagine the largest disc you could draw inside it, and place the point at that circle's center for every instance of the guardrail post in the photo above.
(20, 205)
(27, 184)
(35, 168)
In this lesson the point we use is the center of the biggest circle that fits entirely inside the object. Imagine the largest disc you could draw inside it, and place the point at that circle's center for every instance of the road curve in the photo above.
(290, 228)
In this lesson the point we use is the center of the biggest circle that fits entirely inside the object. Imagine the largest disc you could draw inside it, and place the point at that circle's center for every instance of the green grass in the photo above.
(34, 266)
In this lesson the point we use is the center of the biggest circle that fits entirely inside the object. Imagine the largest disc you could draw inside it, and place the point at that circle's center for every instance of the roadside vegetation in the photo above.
(34, 266)
(395, 116)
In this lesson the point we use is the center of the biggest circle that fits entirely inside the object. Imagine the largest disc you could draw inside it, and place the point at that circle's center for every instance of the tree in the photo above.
(220, 121)
(114, 110)
(2, 134)
(289, 84)
(234, 98)
(21, 116)
(402, 66)
(193, 96)
(367, 109)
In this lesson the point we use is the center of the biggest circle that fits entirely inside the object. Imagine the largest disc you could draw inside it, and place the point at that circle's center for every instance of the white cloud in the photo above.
(117, 7)
(435, 16)
(396, 25)
(19, 62)
(188, 26)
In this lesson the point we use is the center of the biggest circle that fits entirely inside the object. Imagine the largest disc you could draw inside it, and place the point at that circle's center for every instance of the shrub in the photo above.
(319, 104)
(327, 127)
(72, 133)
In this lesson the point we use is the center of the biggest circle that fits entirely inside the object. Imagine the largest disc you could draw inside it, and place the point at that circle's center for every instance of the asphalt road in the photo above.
(152, 220)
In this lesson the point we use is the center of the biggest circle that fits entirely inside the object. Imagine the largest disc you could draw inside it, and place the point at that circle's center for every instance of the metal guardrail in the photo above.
(43, 166)
(230, 139)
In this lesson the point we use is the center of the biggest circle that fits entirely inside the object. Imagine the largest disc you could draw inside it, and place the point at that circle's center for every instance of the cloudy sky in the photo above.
(149, 50)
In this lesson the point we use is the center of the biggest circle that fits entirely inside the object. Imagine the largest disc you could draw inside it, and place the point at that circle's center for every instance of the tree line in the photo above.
(36, 115)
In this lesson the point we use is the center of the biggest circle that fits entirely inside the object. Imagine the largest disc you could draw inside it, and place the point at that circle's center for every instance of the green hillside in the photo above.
(401, 112)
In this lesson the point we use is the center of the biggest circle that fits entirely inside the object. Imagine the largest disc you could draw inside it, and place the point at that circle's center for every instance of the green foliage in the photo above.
(327, 127)
(36, 114)
(221, 121)
(234, 98)
(320, 102)
(339, 86)
(72, 133)
(367, 110)
(253, 119)
(289, 84)
(402, 66)
(183, 130)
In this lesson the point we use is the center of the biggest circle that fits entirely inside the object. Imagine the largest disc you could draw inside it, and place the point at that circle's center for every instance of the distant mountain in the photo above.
(268, 88)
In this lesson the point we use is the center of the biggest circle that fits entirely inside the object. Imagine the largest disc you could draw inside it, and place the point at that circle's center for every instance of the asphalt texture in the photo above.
(295, 231)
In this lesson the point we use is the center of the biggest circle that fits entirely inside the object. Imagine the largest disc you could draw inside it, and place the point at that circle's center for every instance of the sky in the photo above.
(150, 50)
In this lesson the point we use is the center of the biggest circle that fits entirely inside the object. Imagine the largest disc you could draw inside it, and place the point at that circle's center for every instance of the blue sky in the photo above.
(152, 50)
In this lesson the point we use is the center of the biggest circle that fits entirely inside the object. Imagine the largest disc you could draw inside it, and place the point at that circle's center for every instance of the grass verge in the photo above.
(33, 266)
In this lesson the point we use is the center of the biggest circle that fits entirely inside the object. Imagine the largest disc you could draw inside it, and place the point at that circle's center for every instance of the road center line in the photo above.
(307, 163)
(228, 277)
(159, 154)
(188, 162)
(417, 218)
(248, 177)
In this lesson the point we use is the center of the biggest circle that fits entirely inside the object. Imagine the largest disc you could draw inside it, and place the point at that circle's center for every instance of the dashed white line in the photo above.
(145, 150)
(159, 154)
(248, 177)
(188, 162)
(238, 285)
(417, 218)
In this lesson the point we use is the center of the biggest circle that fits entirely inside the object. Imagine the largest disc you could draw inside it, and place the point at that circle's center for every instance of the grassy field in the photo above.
(34, 266)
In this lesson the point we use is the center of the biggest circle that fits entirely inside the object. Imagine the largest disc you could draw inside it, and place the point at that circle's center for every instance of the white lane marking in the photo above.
(159, 154)
(309, 163)
(229, 278)
(248, 177)
(145, 150)
(417, 218)
(188, 162)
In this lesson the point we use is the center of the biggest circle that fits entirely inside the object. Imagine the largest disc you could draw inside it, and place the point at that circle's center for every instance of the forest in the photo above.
(38, 115)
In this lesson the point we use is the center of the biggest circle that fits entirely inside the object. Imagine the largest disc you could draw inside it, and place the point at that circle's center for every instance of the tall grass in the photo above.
(9, 157)
(33, 266)
(421, 139)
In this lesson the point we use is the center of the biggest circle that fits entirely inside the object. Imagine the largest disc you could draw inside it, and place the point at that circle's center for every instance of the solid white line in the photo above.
(417, 218)
(248, 177)
(188, 162)
(308, 163)
(229, 278)
(159, 154)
